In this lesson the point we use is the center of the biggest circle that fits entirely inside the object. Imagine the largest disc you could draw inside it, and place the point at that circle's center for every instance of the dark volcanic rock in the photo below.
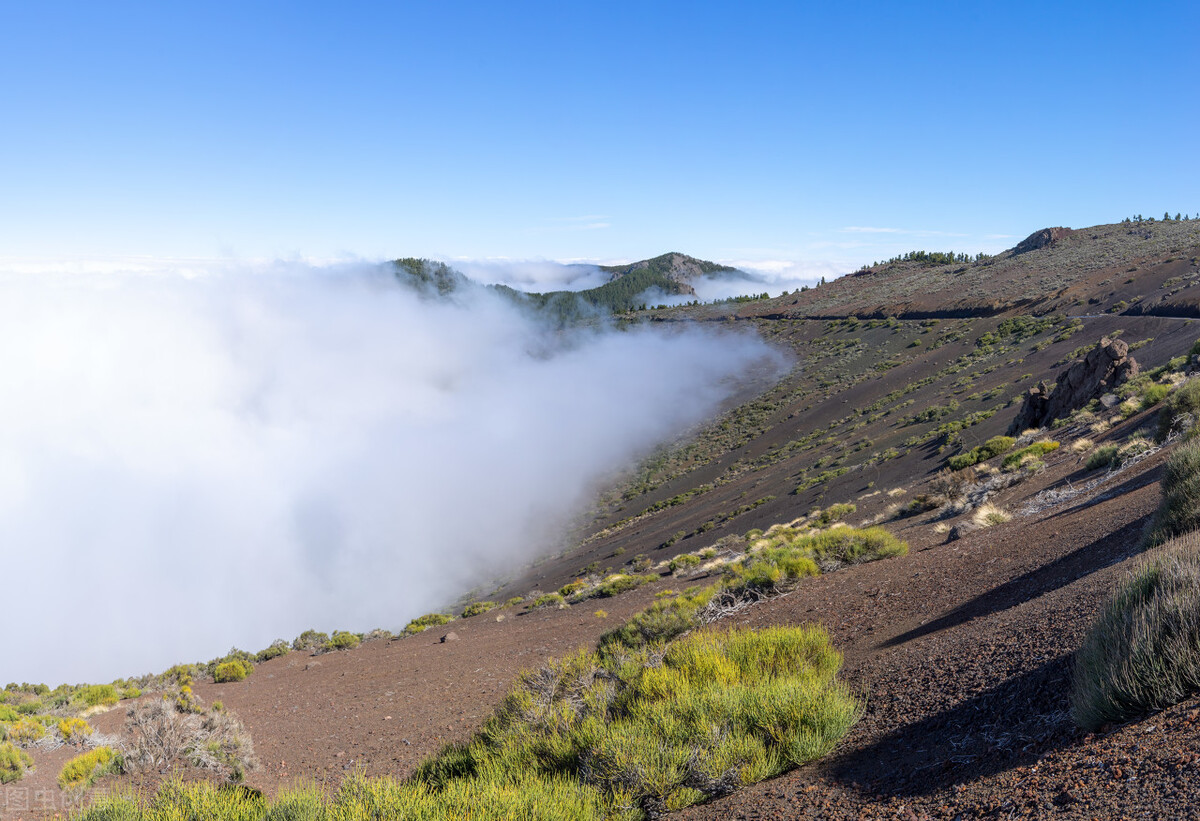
(1106, 367)
(1040, 239)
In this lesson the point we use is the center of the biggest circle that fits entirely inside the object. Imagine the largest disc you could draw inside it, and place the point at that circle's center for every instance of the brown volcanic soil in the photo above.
(961, 648)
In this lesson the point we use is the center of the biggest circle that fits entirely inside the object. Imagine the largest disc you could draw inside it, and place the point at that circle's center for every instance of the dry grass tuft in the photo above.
(988, 514)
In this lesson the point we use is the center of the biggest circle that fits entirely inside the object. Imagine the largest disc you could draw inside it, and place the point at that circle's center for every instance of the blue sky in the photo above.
(767, 133)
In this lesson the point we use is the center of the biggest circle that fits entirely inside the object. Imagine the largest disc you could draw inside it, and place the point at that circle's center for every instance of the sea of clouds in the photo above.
(194, 456)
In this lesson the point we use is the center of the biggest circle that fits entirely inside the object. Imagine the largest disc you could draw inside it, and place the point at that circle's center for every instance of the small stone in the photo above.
(451, 636)
(312, 664)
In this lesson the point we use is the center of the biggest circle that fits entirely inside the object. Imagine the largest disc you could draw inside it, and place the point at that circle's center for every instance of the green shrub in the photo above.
(310, 640)
(834, 513)
(478, 608)
(8, 713)
(360, 798)
(73, 729)
(659, 623)
(1181, 409)
(1013, 460)
(719, 710)
(1102, 457)
(992, 447)
(422, 623)
(549, 600)
(13, 763)
(96, 695)
(514, 601)
(1143, 651)
(621, 582)
(1153, 394)
(683, 562)
(278, 648)
(343, 640)
(227, 671)
(1179, 511)
(82, 770)
(25, 731)
(571, 588)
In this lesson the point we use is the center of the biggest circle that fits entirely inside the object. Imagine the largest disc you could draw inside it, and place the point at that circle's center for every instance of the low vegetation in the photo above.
(1180, 411)
(422, 623)
(1029, 453)
(992, 447)
(229, 671)
(81, 771)
(13, 763)
(1143, 653)
(1179, 511)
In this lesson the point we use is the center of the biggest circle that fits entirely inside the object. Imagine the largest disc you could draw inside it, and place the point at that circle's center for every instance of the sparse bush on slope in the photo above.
(13, 763)
(1179, 512)
(626, 736)
(1180, 411)
(992, 447)
(82, 770)
(230, 671)
(718, 711)
(1143, 651)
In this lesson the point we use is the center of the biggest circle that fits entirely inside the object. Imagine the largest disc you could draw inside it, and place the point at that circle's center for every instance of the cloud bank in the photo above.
(194, 460)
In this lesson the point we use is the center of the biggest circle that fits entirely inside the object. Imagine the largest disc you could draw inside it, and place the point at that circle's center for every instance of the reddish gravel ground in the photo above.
(964, 651)
(961, 649)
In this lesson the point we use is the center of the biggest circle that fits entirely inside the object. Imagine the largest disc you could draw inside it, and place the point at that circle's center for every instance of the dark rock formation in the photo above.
(1105, 367)
(1040, 239)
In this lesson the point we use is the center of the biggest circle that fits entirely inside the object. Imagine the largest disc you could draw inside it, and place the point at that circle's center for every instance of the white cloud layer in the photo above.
(195, 459)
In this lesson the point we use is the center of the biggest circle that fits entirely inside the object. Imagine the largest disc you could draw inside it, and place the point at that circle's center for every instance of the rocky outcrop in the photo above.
(1040, 239)
(1105, 367)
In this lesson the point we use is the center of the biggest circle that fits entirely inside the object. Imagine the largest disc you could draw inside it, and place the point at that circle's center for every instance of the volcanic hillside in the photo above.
(961, 650)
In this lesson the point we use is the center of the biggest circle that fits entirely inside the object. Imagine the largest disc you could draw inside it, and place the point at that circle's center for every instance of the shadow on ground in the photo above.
(1095, 556)
(1004, 727)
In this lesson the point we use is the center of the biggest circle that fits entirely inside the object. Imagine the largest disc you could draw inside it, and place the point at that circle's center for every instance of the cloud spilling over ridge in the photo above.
(192, 461)
(532, 275)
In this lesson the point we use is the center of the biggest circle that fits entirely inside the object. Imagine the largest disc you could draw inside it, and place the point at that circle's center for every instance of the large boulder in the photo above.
(1106, 367)
(1040, 239)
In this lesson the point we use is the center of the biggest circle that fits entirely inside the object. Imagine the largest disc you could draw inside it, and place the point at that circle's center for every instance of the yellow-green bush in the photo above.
(74, 729)
(13, 763)
(228, 671)
(621, 582)
(660, 622)
(83, 769)
(1181, 409)
(422, 623)
(96, 695)
(1013, 460)
(992, 447)
(365, 799)
(1179, 511)
(343, 640)
(571, 588)
(1143, 651)
(549, 600)
(478, 608)
(722, 709)
(25, 731)
(277, 648)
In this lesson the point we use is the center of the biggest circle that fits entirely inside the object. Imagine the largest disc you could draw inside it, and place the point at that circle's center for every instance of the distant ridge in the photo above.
(670, 274)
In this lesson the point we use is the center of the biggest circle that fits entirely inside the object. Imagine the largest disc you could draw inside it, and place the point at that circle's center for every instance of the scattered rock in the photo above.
(960, 530)
(1110, 401)
(1105, 367)
(312, 664)
(1040, 239)
(451, 636)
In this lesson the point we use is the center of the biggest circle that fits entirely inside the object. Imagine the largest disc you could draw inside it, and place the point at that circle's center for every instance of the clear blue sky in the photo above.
(755, 131)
